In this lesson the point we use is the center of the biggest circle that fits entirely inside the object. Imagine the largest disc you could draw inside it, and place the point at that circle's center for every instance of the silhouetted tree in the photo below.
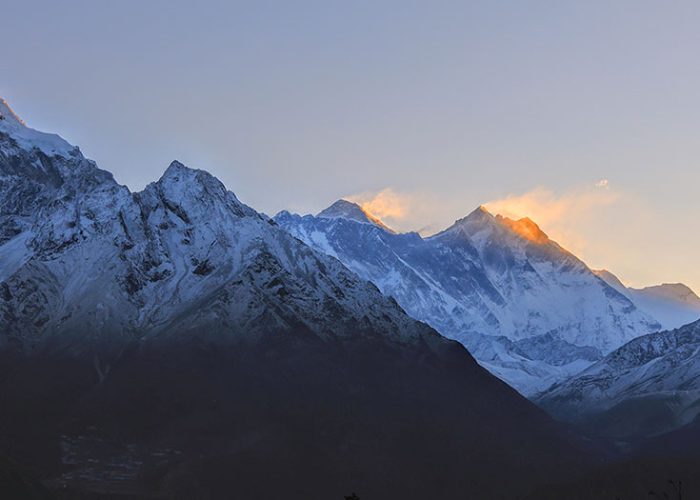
(352, 497)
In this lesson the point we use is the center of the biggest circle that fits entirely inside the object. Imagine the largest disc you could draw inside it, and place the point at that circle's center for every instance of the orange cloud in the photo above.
(385, 204)
(601, 224)
(414, 210)
(563, 215)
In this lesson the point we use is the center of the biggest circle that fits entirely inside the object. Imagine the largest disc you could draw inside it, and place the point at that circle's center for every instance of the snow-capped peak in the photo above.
(479, 214)
(192, 178)
(28, 138)
(478, 219)
(481, 221)
(343, 209)
(185, 190)
(6, 114)
(346, 210)
(177, 171)
(481, 209)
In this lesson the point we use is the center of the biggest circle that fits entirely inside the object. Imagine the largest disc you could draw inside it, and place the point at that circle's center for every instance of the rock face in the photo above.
(174, 341)
(649, 386)
(527, 309)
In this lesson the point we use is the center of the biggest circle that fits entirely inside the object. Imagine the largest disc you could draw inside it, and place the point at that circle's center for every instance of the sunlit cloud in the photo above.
(386, 204)
(562, 215)
(547, 207)
(599, 222)
(423, 212)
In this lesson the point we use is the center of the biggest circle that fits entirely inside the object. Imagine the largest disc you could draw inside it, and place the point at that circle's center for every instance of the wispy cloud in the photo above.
(604, 225)
(386, 204)
(547, 207)
(564, 216)
(416, 210)
(561, 214)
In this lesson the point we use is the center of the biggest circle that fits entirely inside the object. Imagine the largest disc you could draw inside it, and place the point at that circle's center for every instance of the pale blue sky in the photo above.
(447, 104)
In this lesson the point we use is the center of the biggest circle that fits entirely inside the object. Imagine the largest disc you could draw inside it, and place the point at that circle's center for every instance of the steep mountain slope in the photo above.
(648, 386)
(672, 304)
(528, 310)
(176, 342)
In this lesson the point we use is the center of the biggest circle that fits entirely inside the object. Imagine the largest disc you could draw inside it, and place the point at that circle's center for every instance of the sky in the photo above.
(582, 115)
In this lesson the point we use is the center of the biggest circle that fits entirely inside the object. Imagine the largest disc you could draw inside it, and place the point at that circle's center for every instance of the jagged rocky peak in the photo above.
(177, 170)
(14, 130)
(477, 220)
(478, 215)
(344, 209)
(480, 211)
(180, 175)
(193, 194)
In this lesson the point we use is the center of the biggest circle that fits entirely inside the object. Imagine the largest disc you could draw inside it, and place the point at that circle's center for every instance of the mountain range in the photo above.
(176, 343)
(528, 310)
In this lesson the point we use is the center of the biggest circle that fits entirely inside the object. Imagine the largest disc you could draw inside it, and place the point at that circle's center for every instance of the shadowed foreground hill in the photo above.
(635, 479)
(294, 418)
(16, 483)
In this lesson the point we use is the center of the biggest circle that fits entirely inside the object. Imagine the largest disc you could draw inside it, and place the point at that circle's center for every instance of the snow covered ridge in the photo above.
(83, 258)
(14, 128)
(528, 310)
(652, 384)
